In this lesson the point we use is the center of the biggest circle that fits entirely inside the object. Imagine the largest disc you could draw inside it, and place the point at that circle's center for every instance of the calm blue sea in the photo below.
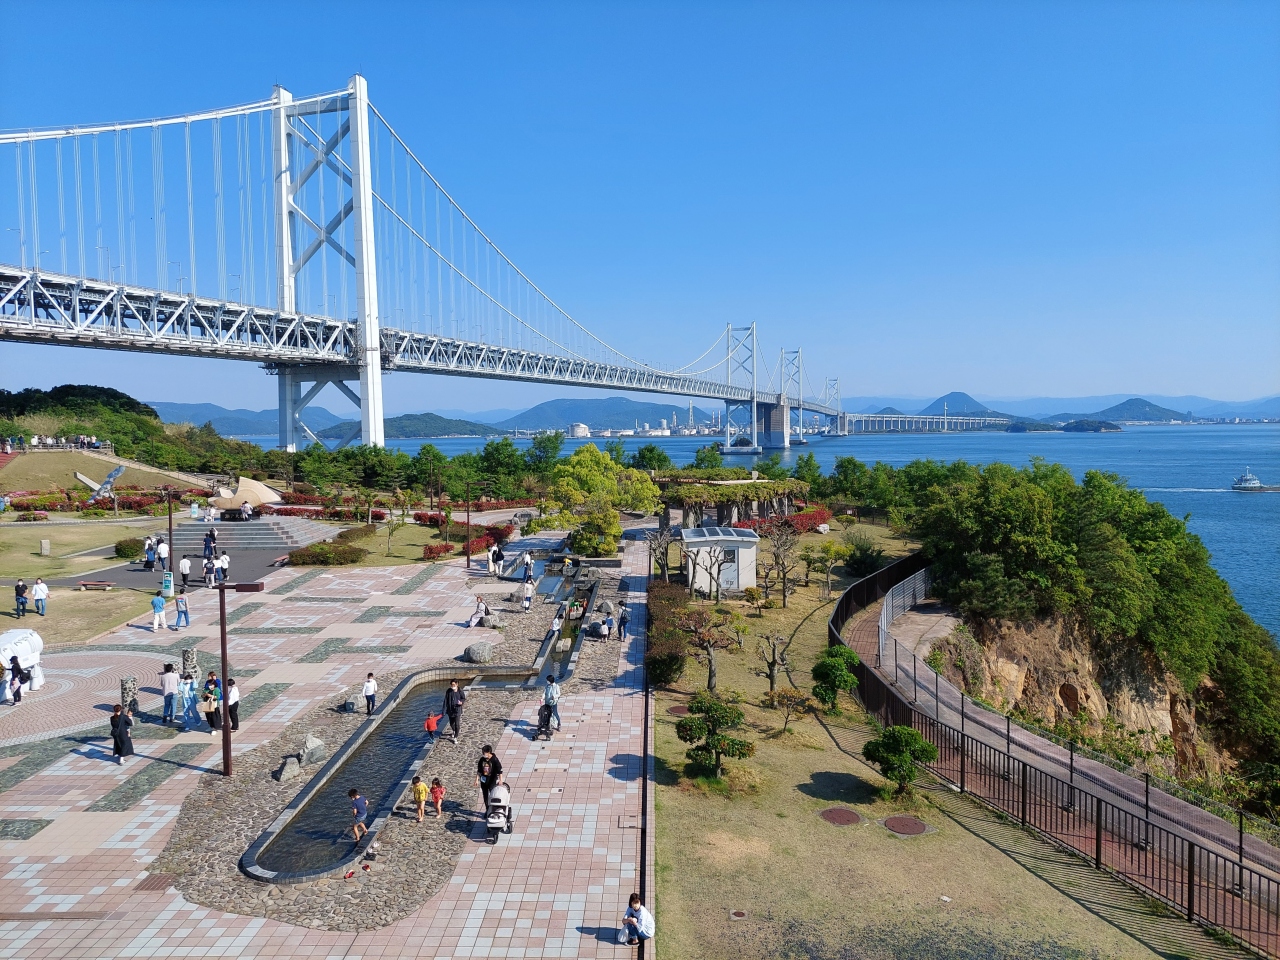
(1187, 468)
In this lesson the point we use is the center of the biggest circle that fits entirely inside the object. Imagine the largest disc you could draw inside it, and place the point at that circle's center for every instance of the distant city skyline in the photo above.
(1012, 201)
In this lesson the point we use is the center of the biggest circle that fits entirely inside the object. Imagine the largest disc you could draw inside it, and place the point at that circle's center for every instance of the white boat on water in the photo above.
(1248, 483)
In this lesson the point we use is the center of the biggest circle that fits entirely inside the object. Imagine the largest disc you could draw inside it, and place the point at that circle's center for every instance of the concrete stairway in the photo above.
(281, 534)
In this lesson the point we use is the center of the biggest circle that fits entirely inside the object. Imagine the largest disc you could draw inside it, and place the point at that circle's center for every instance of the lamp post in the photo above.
(482, 485)
(256, 587)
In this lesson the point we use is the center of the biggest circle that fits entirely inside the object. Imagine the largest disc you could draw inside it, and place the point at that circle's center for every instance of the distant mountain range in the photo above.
(239, 423)
(621, 413)
(608, 413)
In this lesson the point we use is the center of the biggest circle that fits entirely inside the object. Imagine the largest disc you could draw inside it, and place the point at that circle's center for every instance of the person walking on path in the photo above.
(233, 705)
(437, 795)
(608, 626)
(208, 544)
(184, 568)
(210, 570)
(420, 793)
(162, 554)
(491, 555)
(169, 687)
(20, 599)
(551, 698)
(454, 698)
(624, 618)
(17, 677)
(121, 741)
(189, 698)
(527, 600)
(184, 613)
(637, 922)
(158, 619)
(370, 691)
(225, 563)
(488, 774)
(432, 726)
(40, 595)
(359, 810)
(149, 556)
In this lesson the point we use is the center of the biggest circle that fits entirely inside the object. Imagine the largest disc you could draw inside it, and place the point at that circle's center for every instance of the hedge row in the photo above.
(668, 649)
(805, 522)
(434, 551)
(327, 555)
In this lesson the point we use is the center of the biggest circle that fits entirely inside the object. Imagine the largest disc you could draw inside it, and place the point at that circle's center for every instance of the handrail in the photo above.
(1205, 885)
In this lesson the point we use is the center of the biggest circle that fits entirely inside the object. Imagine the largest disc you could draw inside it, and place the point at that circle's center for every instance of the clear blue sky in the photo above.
(1010, 199)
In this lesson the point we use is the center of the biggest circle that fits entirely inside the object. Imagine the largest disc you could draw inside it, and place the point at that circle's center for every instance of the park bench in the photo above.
(96, 585)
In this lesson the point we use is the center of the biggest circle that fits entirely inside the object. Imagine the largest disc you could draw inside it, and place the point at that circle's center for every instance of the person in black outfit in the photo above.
(488, 772)
(454, 698)
(20, 598)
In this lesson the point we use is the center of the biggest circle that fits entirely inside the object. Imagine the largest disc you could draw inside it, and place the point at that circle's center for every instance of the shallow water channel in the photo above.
(319, 836)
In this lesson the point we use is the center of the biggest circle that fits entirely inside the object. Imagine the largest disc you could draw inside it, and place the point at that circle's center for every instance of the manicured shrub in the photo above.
(356, 533)
(327, 555)
(900, 752)
(32, 517)
(665, 661)
(477, 545)
(129, 549)
(833, 673)
(434, 551)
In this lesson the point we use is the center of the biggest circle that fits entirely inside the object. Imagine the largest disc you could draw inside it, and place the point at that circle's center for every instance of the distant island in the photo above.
(1090, 426)
(413, 425)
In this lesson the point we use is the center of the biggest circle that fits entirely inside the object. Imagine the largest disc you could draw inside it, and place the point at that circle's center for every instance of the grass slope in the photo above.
(57, 470)
(813, 890)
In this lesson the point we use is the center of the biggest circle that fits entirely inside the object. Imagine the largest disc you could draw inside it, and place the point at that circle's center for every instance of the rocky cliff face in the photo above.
(1054, 674)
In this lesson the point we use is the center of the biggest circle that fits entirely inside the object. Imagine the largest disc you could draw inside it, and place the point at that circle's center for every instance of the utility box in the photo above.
(727, 554)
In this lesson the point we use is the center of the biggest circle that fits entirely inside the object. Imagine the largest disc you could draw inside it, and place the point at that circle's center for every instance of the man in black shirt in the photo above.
(488, 772)
(20, 598)
(454, 698)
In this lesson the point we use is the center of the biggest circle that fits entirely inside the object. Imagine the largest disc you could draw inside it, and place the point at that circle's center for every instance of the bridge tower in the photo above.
(741, 369)
(297, 156)
(793, 389)
(831, 397)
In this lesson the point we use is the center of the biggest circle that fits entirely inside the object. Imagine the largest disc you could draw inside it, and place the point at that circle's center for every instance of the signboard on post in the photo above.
(167, 587)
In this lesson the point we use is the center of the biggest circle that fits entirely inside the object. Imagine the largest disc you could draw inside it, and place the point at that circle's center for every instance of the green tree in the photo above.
(900, 752)
(833, 673)
(707, 458)
(651, 457)
(617, 451)
(428, 468)
(771, 467)
(544, 452)
(705, 727)
(807, 469)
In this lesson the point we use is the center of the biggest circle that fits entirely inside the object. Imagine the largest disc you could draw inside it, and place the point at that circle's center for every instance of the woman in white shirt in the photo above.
(370, 690)
(233, 705)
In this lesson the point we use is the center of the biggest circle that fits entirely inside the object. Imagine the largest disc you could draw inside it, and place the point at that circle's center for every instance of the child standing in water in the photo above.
(359, 810)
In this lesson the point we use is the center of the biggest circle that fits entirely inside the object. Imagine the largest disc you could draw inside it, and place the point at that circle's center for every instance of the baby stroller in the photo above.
(499, 817)
(544, 723)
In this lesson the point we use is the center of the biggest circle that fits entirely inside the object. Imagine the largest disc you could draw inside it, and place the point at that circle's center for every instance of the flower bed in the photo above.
(270, 510)
(805, 522)
(34, 517)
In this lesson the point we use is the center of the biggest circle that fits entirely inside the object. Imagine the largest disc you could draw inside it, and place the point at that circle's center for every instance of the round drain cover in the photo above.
(905, 826)
(679, 710)
(840, 816)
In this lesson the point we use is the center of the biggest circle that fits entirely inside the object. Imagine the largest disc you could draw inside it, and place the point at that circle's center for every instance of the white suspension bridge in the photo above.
(305, 235)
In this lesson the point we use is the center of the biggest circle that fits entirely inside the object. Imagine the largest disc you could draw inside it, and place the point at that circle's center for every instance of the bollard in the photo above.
(129, 693)
(190, 665)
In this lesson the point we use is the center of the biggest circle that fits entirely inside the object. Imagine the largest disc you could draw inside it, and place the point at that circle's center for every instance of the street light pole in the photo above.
(222, 625)
(168, 493)
(467, 546)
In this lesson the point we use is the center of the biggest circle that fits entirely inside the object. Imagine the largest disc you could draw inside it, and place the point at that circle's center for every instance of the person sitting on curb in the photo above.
(637, 923)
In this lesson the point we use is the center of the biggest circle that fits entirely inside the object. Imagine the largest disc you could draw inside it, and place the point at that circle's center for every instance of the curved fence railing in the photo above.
(1140, 840)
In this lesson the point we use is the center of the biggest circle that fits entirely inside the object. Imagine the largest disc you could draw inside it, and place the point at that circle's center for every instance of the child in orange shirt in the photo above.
(437, 794)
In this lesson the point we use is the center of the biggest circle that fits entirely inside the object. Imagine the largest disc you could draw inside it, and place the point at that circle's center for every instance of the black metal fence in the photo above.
(1201, 884)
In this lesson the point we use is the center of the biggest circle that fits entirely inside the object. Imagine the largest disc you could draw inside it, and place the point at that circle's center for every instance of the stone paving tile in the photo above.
(554, 888)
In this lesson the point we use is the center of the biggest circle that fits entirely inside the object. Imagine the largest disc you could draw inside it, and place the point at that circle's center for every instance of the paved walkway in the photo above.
(554, 888)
